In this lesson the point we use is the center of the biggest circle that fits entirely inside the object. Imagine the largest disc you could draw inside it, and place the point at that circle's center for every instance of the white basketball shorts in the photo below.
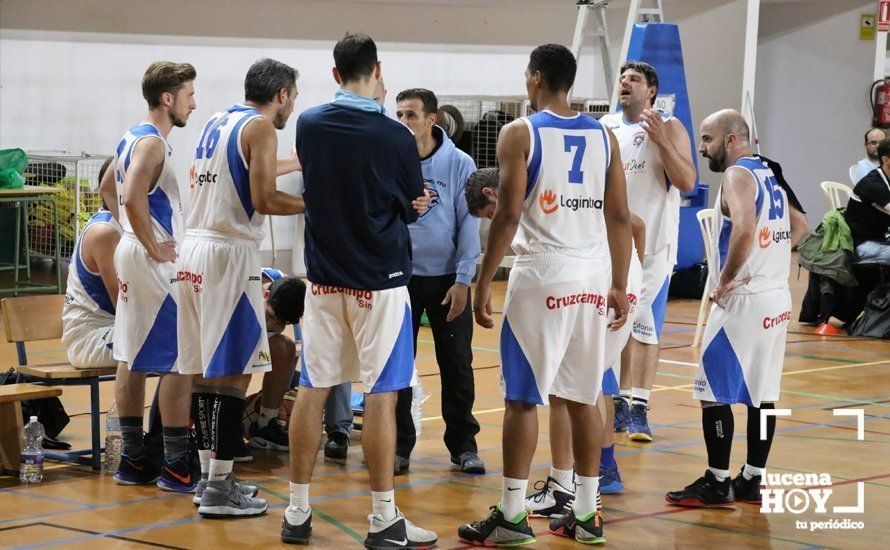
(222, 316)
(553, 337)
(357, 335)
(744, 349)
(616, 340)
(145, 315)
(90, 345)
(649, 319)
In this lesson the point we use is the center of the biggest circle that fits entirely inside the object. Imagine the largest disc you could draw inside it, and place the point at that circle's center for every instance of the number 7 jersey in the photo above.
(769, 262)
(219, 184)
(566, 168)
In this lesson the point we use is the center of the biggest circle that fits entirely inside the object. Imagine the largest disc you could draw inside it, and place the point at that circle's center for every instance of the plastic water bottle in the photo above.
(112, 440)
(417, 399)
(32, 454)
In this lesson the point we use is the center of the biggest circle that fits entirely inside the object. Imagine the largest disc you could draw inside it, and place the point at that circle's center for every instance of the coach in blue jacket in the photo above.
(445, 245)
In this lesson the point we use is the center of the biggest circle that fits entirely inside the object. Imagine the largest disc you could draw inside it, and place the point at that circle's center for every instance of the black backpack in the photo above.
(875, 320)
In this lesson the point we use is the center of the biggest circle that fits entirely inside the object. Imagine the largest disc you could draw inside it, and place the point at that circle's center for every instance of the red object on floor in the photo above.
(827, 329)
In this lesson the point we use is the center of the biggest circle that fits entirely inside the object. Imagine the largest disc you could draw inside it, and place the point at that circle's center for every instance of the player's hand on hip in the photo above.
(617, 302)
(457, 296)
(722, 292)
(164, 252)
(482, 306)
(652, 122)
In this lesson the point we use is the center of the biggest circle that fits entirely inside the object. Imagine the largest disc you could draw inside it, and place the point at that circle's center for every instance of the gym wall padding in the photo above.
(659, 45)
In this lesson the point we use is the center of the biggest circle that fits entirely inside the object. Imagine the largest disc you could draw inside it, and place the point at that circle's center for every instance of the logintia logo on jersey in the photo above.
(547, 200)
(766, 237)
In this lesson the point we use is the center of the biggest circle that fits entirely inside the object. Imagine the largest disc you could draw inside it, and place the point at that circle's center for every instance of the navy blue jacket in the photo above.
(361, 170)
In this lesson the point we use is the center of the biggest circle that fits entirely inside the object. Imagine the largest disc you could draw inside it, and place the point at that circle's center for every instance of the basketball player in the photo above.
(222, 311)
(88, 313)
(361, 171)
(658, 165)
(559, 487)
(562, 196)
(744, 341)
(145, 318)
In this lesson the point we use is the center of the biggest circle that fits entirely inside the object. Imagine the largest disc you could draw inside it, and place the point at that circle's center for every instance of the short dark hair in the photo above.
(286, 298)
(556, 64)
(426, 97)
(162, 77)
(265, 78)
(884, 148)
(102, 170)
(870, 130)
(355, 56)
(647, 70)
(480, 179)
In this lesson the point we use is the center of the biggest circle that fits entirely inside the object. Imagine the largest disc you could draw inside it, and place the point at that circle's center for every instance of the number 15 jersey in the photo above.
(219, 185)
(563, 209)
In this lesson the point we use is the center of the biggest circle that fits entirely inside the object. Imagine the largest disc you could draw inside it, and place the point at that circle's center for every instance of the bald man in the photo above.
(744, 342)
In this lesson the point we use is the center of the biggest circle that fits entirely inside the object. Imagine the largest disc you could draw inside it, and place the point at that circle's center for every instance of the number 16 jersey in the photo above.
(219, 185)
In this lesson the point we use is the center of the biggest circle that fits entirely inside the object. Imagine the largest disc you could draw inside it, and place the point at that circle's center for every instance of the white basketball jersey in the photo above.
(649, 195)
(219, 186)
(164, 203)
(86, 297)
(769, 261)
(563, 209)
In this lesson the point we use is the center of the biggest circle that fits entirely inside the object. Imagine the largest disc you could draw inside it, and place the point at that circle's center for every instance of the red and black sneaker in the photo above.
(747, 490)
(136, 470)
(177, 476)
(705, 492)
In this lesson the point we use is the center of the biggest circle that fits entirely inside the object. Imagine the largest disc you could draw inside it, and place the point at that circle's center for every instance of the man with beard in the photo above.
(221, 318)
(658, 165)
(744, 341)
(871, 161)
(149, 211)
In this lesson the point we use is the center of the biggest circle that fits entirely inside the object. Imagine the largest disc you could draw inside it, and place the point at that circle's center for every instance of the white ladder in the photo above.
(646, 11)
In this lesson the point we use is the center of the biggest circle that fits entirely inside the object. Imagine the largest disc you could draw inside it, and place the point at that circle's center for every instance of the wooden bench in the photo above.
(35, 318)
(11, 424)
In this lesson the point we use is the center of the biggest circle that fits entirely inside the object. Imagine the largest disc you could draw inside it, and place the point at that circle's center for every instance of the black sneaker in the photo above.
(469, 463)
(397, 533)
(551, 500)
(242, 452)
(337, 446)
(401, 465)
(495, 530)
(271, 436)
(587, 531)
(622, 414)
(296, 534)
(136, 470)
(747, 490)
(177, 476)
(705, 492)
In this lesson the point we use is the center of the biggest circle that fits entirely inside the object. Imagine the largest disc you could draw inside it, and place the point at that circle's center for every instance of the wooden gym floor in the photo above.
(75, 507)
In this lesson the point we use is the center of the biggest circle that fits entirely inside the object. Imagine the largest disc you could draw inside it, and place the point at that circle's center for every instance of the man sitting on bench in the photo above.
(88, 314)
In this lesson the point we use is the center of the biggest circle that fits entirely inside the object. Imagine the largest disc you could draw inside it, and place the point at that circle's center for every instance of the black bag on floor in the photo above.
(875, 320)
(49, 410)
(689, 282)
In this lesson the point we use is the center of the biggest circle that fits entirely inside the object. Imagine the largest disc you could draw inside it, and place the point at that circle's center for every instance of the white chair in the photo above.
(853, 175)
(833, 191)
(706, 224)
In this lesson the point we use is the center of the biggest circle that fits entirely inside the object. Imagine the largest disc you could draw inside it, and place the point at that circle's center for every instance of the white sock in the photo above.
(265, 416)
(513, 498)
(750, 471)
(721, 475)
(586, 489)
(219, 469)
(626, 395)
(299, 509)
(383, 504)
(640, 395)
(204, 458)
(564, 478)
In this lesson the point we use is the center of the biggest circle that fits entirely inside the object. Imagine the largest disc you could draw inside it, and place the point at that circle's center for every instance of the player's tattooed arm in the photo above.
(739, 192)
(260, 143)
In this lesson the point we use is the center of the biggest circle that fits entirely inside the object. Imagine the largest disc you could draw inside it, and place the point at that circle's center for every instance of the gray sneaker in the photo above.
(469, 463)
(224, 499)
(247, 489)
